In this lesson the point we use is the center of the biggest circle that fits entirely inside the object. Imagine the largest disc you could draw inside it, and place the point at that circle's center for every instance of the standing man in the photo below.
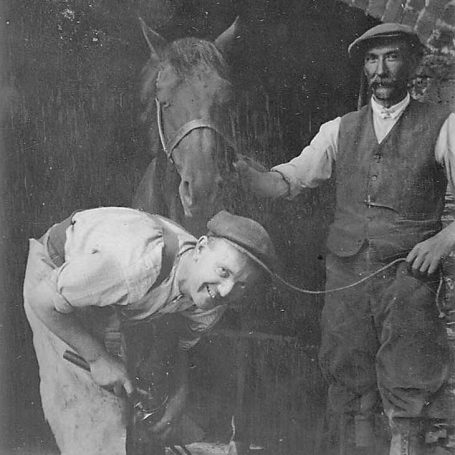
(118, 264)
(382, 341)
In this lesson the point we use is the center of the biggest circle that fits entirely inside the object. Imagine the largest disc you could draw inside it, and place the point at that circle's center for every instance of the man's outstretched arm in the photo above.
(307, 170)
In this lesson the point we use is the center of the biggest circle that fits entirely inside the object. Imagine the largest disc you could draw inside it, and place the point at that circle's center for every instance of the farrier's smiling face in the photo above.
(388, 67)
(220, 274)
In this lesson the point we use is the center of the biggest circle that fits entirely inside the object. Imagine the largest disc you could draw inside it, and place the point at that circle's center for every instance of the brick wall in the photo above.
(425, 16)
(434, 21)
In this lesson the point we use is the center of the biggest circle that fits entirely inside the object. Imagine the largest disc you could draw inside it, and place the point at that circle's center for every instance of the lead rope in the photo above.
(342, 288)
(439, 299)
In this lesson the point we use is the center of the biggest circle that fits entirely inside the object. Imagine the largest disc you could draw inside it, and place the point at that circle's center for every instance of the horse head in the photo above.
(188, 99)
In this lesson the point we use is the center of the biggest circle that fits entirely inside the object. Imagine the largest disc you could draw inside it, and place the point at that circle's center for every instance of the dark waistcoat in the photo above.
(391, 194)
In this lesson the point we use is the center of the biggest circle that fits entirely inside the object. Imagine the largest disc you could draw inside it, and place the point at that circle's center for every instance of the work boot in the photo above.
(353, 437)
(407, 438)
(364, 431)
(238, 448)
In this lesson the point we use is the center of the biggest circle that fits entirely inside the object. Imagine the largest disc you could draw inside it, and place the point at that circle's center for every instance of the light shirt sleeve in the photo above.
(315, 164)
(95, 280)
(445, 150)
(112, 257)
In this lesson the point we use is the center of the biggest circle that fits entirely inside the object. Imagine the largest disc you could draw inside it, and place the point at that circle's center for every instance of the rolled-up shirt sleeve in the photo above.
(315, 163)
(445, 150)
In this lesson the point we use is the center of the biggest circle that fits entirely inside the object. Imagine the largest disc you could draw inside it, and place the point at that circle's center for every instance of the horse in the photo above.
(189, 104)
(188, 100)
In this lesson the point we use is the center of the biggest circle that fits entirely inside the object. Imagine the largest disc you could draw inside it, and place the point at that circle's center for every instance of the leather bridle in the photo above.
(170, 145)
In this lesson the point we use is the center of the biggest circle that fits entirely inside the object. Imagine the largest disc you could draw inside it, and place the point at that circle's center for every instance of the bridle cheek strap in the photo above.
(169, 146)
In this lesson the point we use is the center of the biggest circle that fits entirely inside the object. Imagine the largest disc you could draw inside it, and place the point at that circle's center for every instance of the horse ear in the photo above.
(225, 41)
(155, 41)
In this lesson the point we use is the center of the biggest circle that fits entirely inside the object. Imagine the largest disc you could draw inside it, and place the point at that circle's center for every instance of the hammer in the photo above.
(141, 413)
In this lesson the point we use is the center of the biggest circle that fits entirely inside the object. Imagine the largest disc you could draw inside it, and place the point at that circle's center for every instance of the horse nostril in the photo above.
(186, 190)
(219, 183)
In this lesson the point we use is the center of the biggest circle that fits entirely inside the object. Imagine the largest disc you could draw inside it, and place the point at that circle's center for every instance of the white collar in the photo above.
(391, 112)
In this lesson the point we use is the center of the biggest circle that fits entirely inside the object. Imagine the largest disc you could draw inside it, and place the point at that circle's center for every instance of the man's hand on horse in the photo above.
(110, 373)
(426, 256)
(248, 167)
(259, 180)
(244, 162)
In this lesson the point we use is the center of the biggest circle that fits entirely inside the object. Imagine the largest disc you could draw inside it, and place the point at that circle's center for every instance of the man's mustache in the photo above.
(375, 82)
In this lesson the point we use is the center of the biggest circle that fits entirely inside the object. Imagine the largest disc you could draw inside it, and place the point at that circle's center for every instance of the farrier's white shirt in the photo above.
(113, 257)
(315, 162)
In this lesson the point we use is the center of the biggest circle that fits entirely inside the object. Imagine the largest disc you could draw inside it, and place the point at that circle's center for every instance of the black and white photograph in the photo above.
(227, 227)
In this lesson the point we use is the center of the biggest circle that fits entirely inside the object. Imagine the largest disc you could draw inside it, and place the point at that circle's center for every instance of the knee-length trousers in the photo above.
(382, 336)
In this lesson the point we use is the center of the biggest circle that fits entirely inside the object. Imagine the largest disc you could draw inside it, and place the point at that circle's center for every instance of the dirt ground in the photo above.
(202, 448)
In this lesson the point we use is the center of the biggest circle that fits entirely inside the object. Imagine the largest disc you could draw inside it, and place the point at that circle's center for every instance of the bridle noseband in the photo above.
(169, 146)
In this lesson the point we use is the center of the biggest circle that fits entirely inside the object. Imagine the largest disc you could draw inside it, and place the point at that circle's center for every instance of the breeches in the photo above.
(384, 335)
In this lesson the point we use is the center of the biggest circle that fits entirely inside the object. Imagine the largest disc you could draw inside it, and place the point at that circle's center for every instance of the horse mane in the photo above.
(187, 56)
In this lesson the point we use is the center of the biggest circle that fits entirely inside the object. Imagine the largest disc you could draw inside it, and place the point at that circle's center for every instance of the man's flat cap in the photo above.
(247, 235)
(384, 32)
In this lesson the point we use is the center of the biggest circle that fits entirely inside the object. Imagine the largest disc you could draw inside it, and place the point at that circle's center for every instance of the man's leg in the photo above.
(150, 350)
(413, 360)
(348, 353)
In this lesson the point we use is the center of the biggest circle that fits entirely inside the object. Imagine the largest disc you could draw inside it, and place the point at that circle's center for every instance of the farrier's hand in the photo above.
(110, 373)
(165, 426)
(426, 256)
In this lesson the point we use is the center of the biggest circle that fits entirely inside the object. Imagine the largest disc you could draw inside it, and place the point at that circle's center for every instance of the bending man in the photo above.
(121, 265)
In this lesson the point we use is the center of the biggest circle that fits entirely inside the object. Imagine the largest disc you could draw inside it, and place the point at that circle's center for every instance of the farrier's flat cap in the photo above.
(381, 32)
(246, 235)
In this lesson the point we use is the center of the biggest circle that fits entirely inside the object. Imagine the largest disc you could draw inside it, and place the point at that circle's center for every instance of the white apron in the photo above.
(85, 419)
